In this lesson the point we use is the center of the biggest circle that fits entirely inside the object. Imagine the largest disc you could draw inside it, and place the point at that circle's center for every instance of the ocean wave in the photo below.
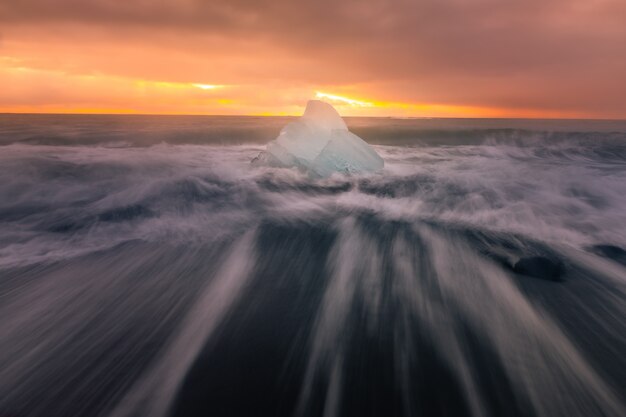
(66, 193)
(475, 279)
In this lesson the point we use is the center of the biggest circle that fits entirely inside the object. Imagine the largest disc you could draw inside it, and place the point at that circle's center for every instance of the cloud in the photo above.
(551, 55)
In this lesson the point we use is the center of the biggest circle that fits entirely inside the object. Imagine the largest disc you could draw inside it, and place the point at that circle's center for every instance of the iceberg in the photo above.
(320, 143)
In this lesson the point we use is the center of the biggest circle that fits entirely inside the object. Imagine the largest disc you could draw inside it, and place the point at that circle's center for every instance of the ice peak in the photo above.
(323, 115)
(319, 142)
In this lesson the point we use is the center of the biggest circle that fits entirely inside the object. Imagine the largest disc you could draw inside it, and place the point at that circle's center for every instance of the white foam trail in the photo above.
(153, 394)
(418, 288)
(520, 332)
(352, 257)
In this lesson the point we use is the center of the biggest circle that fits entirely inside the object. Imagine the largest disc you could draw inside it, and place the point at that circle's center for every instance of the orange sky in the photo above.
(479, 58)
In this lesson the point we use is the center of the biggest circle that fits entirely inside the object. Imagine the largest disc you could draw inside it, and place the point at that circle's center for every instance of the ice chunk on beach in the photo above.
(320, 143)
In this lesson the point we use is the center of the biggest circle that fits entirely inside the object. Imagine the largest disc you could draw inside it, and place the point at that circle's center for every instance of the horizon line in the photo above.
(298, 115)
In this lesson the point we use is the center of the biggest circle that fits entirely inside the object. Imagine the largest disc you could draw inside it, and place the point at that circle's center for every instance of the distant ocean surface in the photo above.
(147, 269)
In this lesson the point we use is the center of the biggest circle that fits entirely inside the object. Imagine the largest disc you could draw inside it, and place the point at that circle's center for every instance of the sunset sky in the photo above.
(465, 58)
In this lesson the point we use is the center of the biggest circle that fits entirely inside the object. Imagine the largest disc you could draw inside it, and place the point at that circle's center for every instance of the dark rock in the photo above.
(121, 214)
(612, 252)
(539, 267)
(65, 227)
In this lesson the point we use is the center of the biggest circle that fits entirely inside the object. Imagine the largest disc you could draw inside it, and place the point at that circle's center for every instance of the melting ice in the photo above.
(320, 143)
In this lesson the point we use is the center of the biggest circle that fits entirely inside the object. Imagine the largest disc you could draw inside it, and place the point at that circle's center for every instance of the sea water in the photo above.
(147, 268)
